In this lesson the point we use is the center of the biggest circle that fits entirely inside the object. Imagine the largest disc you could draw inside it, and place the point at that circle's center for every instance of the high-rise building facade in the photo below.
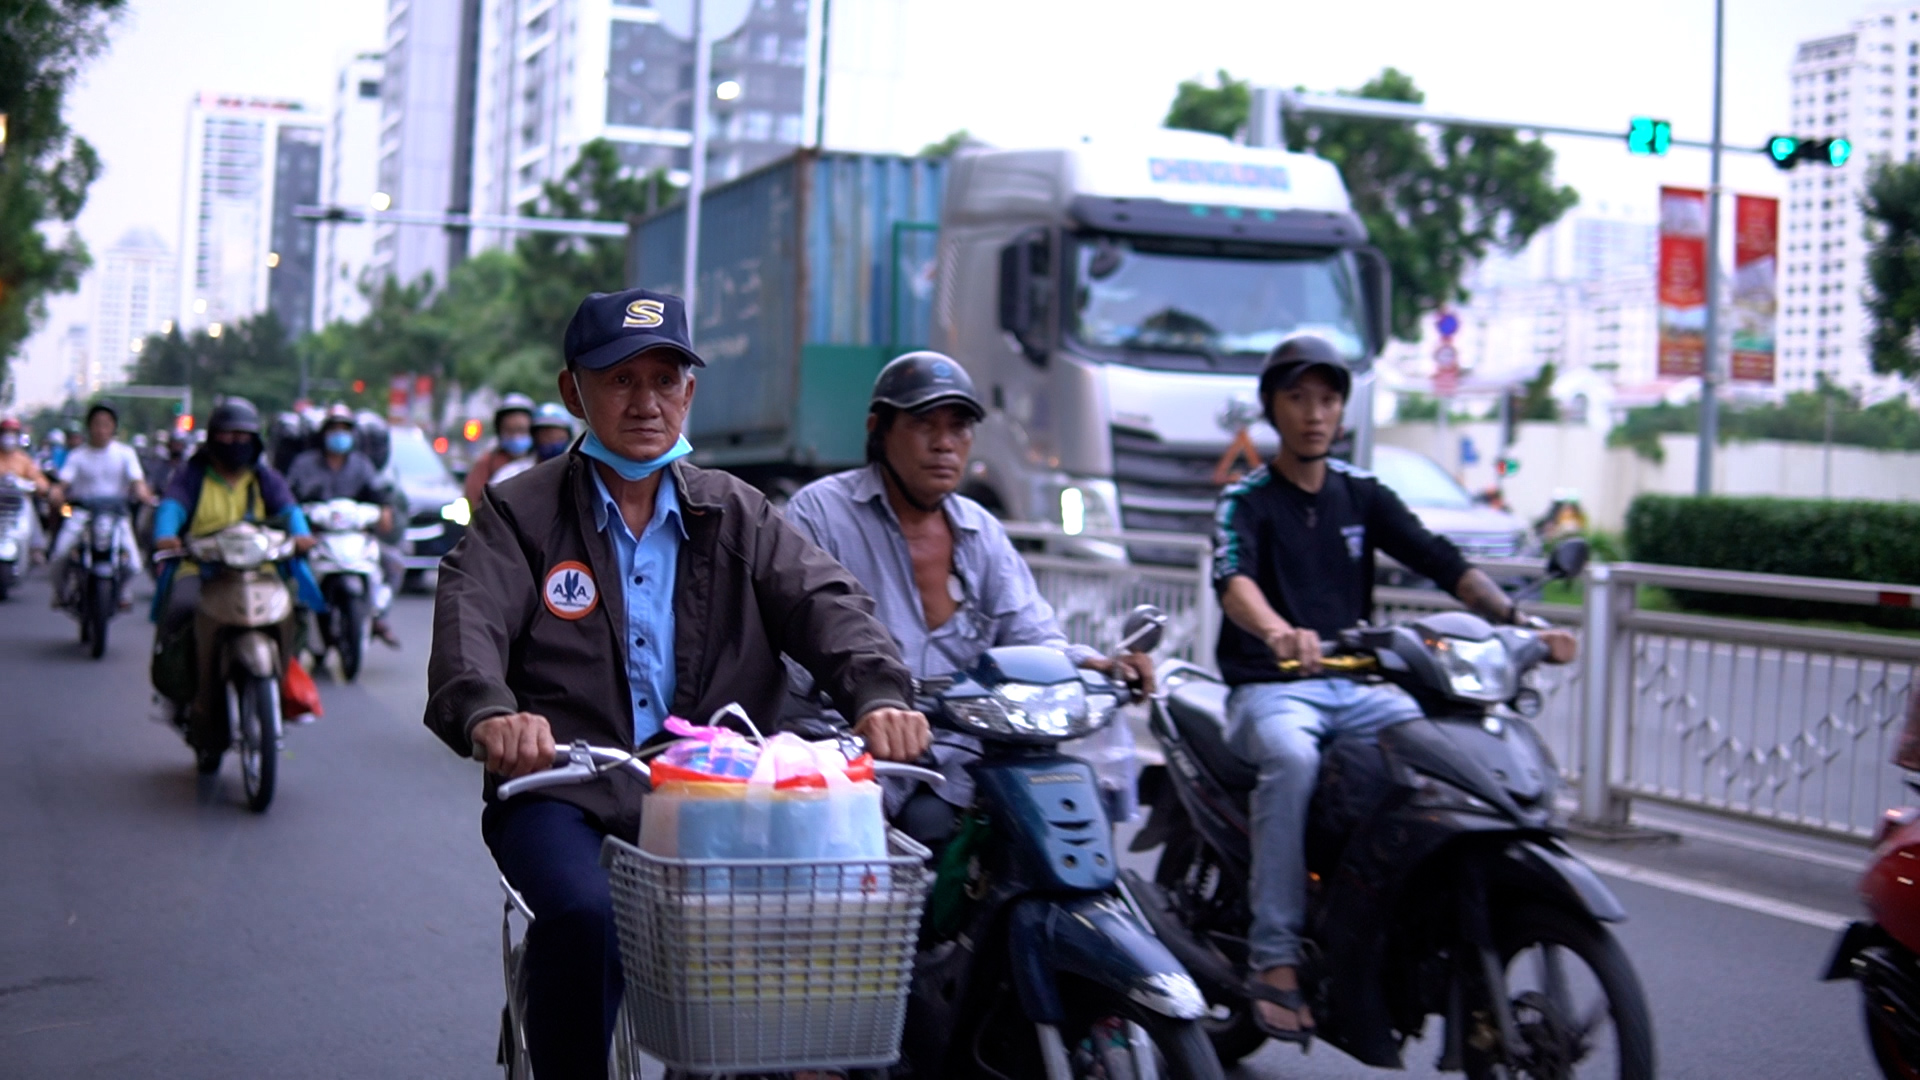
(1865, 86)
(349, 170)
(553, 75)
(135, 293)
(420, 150)
(250, 163)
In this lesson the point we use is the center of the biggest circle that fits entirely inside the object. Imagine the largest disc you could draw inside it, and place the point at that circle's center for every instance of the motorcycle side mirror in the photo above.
(1144, 628)
(1568, 559)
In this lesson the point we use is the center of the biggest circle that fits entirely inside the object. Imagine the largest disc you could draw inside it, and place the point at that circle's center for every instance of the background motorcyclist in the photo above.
(224, 483)
(104, 468)
(336, 469)
(53, 451)
(513, 441)
(945, 578)
(14, 459)
(1293, 563)
(552, 434)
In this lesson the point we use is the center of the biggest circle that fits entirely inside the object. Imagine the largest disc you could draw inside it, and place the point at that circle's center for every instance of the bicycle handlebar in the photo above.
(580, 762)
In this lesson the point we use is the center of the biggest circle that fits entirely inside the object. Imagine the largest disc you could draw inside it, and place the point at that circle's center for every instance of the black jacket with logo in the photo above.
(1311, 553)
(749, 588)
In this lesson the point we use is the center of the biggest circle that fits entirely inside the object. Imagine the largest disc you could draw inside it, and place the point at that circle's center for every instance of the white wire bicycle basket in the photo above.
(767, 965)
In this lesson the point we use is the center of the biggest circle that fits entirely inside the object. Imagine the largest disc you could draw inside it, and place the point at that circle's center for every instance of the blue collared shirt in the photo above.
(647, 572)
(848, 515)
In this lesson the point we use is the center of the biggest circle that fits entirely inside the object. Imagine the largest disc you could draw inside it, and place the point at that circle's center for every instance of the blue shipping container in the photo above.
(813, 272)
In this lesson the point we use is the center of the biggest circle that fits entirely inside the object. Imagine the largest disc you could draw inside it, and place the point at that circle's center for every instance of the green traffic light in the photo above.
(1838, 151)
(1646, 135)
(1782, 148)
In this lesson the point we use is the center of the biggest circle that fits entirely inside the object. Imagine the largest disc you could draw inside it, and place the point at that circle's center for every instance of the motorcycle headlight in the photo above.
(243, 550)
(1433, 793)
(457, 512)
(1029, 711)
(102, 529)
(1475, 670)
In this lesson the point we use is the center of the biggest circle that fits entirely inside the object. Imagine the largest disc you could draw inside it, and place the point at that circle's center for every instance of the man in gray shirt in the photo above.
(945, 578)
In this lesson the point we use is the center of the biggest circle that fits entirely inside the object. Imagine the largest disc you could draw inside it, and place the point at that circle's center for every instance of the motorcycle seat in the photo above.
(1199, 711)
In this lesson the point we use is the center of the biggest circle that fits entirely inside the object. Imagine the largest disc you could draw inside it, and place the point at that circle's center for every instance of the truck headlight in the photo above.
(1087, 506)
(457, 512)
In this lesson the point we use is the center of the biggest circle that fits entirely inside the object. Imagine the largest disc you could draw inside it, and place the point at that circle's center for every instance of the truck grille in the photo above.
(1163, 489)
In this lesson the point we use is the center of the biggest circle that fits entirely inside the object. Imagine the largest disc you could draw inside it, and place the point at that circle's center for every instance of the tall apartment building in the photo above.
(424, 97)
(349, 171)
(250, 162)
(1863, 85)
(135, 293)
(553, 75)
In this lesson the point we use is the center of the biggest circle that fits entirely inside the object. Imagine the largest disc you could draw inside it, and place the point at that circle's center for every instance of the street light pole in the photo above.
(1710, 366)
(697, 167)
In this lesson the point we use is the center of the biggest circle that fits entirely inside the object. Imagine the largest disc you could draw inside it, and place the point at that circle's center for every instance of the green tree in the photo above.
(1803, 417)
(1434, 206)
(1535, 400)
(45, 169)
(1892, 207)
(251, 358)
(1221, 109)
(948, 146)
(558, 270)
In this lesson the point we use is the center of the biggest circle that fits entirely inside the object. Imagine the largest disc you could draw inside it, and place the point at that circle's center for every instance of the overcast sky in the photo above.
(1027, 72)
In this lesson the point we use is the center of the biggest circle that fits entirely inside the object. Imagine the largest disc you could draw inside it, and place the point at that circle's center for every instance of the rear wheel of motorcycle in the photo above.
(353, 635)
(1543, 932)
(259, 749)
(100, 607)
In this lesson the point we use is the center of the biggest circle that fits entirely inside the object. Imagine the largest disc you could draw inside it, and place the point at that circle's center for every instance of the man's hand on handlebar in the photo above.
(167, 543)
(514, 744)
(1296, 643)
(895, 734)
(1134, 669)
(1562, 646)
(303, 544)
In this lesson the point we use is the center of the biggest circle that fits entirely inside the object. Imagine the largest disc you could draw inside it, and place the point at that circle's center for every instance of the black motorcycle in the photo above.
(97, 569)
(1032, 962)
(1437, 881)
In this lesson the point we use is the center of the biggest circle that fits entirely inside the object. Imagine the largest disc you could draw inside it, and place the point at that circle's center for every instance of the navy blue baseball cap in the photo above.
(608, 328)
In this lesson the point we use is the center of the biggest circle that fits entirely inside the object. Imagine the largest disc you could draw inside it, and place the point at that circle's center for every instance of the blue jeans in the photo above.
(1279, 727)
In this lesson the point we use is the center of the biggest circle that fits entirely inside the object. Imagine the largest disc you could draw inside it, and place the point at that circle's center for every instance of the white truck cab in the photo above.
(1114, 301)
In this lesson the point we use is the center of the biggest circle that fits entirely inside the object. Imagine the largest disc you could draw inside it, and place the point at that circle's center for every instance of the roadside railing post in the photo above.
(1598, 805)
(1206, 607)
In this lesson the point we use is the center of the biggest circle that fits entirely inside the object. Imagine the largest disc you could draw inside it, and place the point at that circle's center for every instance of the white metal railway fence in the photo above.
(1765, 720)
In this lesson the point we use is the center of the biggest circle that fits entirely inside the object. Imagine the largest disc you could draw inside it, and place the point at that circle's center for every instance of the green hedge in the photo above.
(1858, 541)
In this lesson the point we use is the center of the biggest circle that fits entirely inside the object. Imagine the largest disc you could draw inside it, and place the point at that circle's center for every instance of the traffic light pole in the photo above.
(1710, 366)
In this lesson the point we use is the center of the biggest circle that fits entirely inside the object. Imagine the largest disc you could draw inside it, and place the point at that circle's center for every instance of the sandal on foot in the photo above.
(1286, 999)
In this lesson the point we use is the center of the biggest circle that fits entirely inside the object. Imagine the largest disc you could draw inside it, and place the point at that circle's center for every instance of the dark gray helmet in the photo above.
(924, 380)
(234, 414)
(1296, 356)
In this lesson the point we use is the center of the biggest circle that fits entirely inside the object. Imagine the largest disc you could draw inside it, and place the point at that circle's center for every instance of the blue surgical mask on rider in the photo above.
(339, 442)
(551, 450)
(516, 445)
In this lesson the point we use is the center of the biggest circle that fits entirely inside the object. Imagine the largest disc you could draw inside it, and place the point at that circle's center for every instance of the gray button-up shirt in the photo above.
(848, 515)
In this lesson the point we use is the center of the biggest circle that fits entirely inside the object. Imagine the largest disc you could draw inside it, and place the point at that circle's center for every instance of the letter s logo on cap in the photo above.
(645, 314)
(570, 591)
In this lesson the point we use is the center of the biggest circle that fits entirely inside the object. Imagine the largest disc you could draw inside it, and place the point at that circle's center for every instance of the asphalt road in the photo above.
(153, 927)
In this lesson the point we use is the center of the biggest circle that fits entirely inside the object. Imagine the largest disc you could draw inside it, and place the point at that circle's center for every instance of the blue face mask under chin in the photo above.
(629, 469)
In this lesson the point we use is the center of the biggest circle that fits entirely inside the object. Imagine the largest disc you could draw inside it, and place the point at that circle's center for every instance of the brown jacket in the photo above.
(749, 587)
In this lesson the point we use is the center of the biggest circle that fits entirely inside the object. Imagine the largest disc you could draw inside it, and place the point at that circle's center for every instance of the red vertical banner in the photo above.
(1756, 243)
(1683, 282)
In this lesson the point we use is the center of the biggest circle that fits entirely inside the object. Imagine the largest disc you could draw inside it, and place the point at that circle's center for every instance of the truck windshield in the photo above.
(1209, 305)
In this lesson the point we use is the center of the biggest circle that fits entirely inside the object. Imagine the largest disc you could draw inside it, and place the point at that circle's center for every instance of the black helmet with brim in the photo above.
(1290, 361)
(923, 380)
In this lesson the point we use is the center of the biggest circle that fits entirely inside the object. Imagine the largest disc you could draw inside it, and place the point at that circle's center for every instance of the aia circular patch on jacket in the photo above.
(570, 591)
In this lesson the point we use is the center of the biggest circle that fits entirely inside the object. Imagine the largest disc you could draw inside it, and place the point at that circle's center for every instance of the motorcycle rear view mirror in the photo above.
(1568, 559)
(1144, 628)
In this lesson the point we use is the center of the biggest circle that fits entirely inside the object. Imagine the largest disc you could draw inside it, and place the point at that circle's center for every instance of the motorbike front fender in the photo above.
(1561, 871)
(1098, 939)
(256, 654)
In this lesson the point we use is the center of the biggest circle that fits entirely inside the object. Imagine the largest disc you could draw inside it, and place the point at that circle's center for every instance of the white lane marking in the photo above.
(1720, 894)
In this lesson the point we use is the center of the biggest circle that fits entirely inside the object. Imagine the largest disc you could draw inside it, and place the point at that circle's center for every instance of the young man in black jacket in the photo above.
(1293, 564)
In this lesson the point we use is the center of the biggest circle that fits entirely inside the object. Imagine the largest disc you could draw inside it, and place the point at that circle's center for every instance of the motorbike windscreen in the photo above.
(1204, 305)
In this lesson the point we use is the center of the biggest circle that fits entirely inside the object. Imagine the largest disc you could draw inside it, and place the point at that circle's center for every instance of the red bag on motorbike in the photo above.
(298, 694)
